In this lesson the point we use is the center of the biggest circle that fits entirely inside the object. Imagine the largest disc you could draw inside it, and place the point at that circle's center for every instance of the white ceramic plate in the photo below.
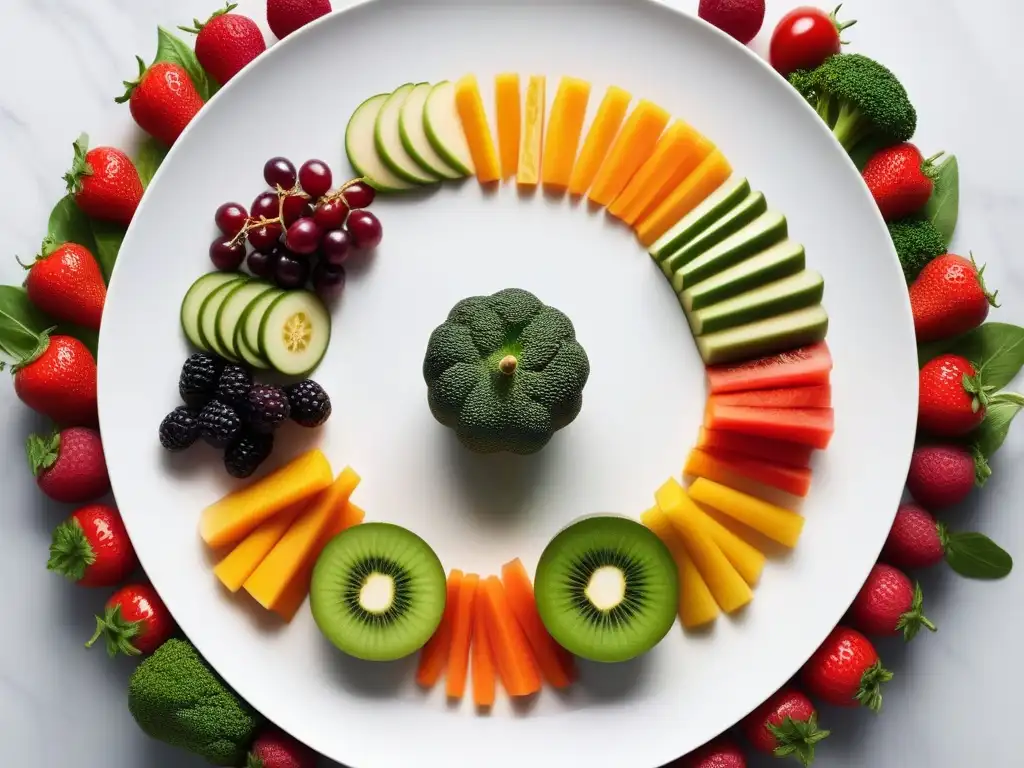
(643, 403)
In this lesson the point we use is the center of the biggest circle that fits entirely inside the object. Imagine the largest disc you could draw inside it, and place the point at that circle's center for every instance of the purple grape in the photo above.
(359, 195)
(265, 238)
(262, 264)
(279, 172)
(231, 218)
(328, 281)
(225, 255)
(335, 247)
(330, 214)
(265, 206)
(364, 229)
(315, 178)
(296, 207)
(291, 271)
(303, 236)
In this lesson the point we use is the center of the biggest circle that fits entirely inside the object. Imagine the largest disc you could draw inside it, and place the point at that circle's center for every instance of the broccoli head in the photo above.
(176, 698)
(917, 242)
(859, 99)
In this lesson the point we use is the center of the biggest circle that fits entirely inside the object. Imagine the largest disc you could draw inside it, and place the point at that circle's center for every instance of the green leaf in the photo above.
(148, 159)
(989, 436)
(21, 323)
(173, 49)
(995, 349)
(68, 224)
(108, 237)
(976, 556)
(943, 208)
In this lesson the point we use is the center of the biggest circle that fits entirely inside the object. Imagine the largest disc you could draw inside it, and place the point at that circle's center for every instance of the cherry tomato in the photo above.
(805, 38)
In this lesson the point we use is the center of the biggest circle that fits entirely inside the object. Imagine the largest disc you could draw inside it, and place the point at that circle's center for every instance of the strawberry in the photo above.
(65, 281)
(889, 604)
(286, 16)
(92, 547)
(846, 672)
(163, 100)
(58, 380)
(942, 475)
(949, 298)
(900, 180)
(69, 466)
(951, 397)
(786, 724)
(226, 42)
(741, 19)
(134, 621)
(104, 182)
(276, 749)
(720, 753)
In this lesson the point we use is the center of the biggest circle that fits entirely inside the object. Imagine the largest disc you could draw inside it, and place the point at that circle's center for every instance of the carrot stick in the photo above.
(484, 682)
(462, 632)
(434, 655)
(555, 662)
(516, 665)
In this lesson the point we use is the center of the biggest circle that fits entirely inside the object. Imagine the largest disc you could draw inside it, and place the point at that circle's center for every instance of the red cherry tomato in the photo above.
(804, 38)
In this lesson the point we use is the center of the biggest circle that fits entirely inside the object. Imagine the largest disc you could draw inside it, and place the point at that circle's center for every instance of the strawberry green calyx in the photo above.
(974, 385)
(197, 25)
(797, 738)
(70, 551)
(42, 343)
(116, 632)
(80, 167)
(930, 166)
(42, 452)
(870, 692)
(982, 470)
(253, 761)
(981, 283)
(912, 621)
(841, 26)
(131, 85)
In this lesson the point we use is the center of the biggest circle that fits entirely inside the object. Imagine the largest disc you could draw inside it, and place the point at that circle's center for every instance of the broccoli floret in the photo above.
(858, 98)
(176, 698)
(917, 242)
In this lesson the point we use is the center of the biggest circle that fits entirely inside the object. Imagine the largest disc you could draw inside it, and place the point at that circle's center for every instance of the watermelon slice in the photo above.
(790, 397)
(721, 466)
(807, 426)
(779, 451)
(803, 367)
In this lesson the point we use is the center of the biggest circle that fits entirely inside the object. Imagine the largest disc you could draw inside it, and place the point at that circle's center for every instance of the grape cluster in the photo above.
(300, 230)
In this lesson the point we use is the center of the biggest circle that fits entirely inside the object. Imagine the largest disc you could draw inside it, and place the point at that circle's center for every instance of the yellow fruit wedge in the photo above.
(776, 523)
(508, 103)
(528, 172)
(565, 125)
(697, 605)
(705, 179)
(609, 117)
(470, 107)
(745, 557)
(634, 144)
(238, 565)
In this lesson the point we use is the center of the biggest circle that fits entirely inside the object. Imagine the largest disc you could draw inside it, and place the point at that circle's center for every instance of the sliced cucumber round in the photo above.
(246, 353)
(230, 312)
(388, 140)
(193, 302)
(253, 317)
(295, 332)
(208, 317)
(361, 148)
(414, 135)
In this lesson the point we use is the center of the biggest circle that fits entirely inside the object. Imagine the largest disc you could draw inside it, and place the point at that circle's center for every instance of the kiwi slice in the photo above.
(378, 592)
(607, 588)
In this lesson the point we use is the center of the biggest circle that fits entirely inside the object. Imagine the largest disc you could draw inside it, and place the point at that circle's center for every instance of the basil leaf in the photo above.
(150, 155)
(992, 432)
(995, 349)
(108, 237)
(943, 208)
(976, 556)
(174, 50)
(68, 224)
(20, 323)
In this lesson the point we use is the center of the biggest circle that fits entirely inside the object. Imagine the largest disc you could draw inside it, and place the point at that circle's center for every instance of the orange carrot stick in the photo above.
(484, 682)
(462, 632)
(513, 658)
(555, 662)
(434, 655)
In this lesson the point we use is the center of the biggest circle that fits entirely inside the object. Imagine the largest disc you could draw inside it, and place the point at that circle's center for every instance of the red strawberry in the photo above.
(846, 672)
(900, 180)
(59, 380)
(888, 604)
(720, 753)
(135, 621)
(949, 298)
(741, 19)
(286, 16)
(276, 749)
(786, 724)
(163, 100)
(914, 540)
(92, 547)
(942, 475)
(951, 397)
(105, 183)
(65, 281)
(226, 42)
(69, 466)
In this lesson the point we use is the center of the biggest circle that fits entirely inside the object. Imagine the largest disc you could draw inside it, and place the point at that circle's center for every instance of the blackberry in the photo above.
(233, 386)
(310, 405)
(244, 455)
(179, 429)
(268, 407)
(219, 424)
(198, 379)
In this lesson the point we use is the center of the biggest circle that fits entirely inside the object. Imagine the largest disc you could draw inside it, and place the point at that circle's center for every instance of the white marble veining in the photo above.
(954, 701)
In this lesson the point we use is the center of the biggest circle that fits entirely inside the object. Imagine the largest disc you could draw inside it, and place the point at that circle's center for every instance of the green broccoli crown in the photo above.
(858, 98)
(176, 698)
(917, 242)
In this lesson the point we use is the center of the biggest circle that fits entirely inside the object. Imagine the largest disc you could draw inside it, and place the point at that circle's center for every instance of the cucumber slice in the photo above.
(247, 354)
(208, 317)
(714, 207)
(388, 140)
(362, 149)
(443, 126)
(252, 318)
(295, 332)
(193, 301)
(414, 135)
(230, 312)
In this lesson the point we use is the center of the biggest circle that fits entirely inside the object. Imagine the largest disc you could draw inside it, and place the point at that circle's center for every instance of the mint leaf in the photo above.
(108, 237)
(174, 50)
(990, 435)
(976, 556)
(943, 208)
(68, 224)
(995, 349)
(20, 323)
(148, 159)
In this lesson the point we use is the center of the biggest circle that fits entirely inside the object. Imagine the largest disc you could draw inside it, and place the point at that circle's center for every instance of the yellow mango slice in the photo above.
(470, 107)
(603, 130)
(697, 605)
(239, 513)
(634, 144)
(731, 592)
(568, 112)
(240, 562)
(270, 580)
(776, 523)
(528, 173)
(701, 150)
(705, 179)
(508, 103)
(744, 556)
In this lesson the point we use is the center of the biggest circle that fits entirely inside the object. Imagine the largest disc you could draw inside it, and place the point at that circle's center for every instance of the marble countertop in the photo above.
(953, 702)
